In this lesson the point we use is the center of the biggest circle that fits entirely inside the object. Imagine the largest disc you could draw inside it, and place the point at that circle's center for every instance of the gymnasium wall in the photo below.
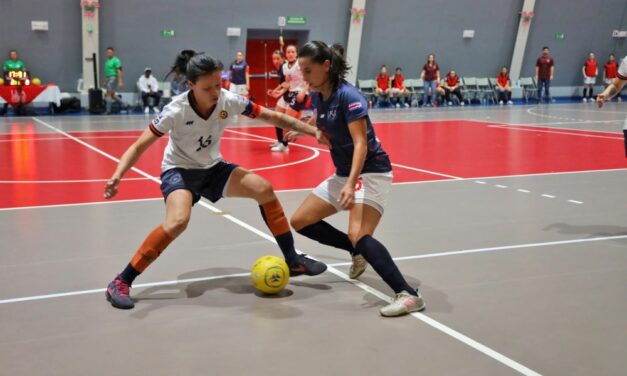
(396, 32)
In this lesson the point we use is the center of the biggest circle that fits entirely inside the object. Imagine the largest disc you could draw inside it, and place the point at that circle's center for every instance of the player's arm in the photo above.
(357, 130)
(128, 160)
(290, 124)
(247, 78)
(614, 88)
(120, 78)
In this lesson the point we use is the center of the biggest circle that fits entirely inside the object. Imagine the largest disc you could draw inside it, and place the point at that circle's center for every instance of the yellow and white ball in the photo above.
(270, 274)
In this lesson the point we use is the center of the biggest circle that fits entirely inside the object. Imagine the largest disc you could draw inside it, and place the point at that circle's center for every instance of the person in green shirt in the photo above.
(13, 63)
(113, 76)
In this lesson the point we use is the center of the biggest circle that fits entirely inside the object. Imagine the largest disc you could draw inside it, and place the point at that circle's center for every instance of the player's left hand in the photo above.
(121, 84)
(291, 136)
(347, 196)
(111, 188)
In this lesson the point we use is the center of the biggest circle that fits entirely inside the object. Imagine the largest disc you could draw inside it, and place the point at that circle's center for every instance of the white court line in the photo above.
(79, 204)
(60, 181)
(553, 132)
(400, 258)
(575, 202)
(433, 323)
(547, 196)
(327, 151)
(500, 186)
(523, 191)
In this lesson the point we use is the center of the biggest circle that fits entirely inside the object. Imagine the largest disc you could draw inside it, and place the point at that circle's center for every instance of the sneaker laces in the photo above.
(123, 287)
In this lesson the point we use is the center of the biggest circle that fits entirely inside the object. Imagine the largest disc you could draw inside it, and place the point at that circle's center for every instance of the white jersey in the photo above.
(194, 141)
(294, 76)
(622, 69)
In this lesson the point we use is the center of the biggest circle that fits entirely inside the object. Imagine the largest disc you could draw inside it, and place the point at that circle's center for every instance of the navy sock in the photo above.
(129, 274)
(324, 233)
(286, 244)
(284, 240)
(279, 134)
(379, 258)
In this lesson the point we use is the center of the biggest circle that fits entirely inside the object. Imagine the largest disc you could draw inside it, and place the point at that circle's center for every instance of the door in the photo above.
(262, 71)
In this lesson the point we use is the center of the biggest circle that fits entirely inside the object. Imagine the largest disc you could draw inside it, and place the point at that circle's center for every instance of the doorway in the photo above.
(259, 47)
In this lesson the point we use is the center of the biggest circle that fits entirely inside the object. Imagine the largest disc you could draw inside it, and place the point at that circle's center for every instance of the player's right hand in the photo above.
(601, 100)
(291, 136)
(111, 188)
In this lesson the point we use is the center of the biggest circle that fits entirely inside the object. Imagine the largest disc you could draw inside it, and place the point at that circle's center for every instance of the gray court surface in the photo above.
(515, 282)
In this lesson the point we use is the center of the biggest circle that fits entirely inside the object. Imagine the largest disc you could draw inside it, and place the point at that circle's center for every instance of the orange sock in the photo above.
(151, 248)
(274, 216)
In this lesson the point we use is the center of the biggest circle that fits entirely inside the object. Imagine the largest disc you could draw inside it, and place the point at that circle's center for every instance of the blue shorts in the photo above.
(210, 183)
(290, 98)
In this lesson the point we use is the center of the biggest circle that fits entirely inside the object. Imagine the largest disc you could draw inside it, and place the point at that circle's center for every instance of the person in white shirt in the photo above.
(149, 87)
(615, 88)
(193, 167)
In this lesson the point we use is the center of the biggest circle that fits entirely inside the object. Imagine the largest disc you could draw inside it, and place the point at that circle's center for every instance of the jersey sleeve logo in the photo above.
(354, 106)
(223, 114)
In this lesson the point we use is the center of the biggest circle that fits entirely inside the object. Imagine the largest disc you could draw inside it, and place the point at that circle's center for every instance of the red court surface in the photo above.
(52, 169)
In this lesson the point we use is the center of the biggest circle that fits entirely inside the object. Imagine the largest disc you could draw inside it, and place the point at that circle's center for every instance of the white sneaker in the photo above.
(462, 104)
(273, 145)
(398, 105)
(510, 102)
(584, 100)
(280, 147)
(146, 110)
(450, 103)
(403, 304)
(358, 267)
(500, 103)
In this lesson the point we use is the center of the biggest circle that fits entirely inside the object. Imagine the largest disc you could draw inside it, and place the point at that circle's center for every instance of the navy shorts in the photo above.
(290, 98)
(210, 183)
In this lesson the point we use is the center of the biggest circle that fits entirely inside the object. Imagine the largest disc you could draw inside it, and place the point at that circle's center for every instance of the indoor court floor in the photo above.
(511, 220)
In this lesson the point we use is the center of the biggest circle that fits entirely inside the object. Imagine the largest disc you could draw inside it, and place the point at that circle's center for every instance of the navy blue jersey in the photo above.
(280, 75)
(238, 72)
(345, 105)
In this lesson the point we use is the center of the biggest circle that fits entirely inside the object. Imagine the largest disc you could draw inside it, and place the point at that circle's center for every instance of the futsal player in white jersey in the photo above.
(613, 89)
(295, 98)
(193, 167)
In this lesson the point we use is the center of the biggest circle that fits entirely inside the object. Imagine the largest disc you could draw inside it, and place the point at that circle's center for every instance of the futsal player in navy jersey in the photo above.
(193, 167)
(362, 179)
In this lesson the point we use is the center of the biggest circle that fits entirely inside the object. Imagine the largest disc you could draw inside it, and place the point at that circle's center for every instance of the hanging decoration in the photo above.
(526, 15)
(89, 7)
(357, 15)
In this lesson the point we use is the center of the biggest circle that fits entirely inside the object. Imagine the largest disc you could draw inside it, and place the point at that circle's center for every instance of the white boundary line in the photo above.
(515, 128)
(433, 323)
(79, 204)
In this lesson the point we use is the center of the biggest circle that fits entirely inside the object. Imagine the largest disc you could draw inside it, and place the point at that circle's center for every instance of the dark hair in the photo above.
(201, 65)
(545, 48)
(399, 68)
(110, 48)
(180, 63)
(277, 52)
(320, 52)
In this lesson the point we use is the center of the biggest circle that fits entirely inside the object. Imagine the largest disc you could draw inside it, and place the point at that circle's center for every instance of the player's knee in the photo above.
(176, 224)
(354, 237)
(298, 222)
(263, 191)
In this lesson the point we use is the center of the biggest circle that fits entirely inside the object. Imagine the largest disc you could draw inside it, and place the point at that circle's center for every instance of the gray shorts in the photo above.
(112, 84)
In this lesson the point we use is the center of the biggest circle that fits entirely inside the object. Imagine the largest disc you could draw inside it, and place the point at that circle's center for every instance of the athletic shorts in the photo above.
(589, 80)
(281, 103)
(209, 183)
(372, 189)
(238, 89)
(290, 98)
(112, 84)
(608, 81)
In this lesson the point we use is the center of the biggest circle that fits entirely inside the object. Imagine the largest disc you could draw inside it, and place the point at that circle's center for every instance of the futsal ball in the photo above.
(270, 274)
(35, 81)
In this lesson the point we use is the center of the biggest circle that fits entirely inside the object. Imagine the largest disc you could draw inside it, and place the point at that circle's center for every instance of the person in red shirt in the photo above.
(609, 73)
(545, 69)
(398, 88)
(503, 87)
(383, 86)
(590, 71)
(431, 77)
(451, 85)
